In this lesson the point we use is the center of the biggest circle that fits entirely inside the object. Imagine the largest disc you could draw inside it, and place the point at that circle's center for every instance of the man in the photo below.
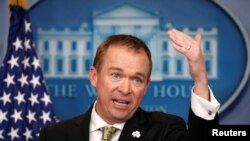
(121, 76)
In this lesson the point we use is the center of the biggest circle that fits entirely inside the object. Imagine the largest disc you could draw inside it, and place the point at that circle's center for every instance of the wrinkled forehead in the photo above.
(126, 56)
(129, 49)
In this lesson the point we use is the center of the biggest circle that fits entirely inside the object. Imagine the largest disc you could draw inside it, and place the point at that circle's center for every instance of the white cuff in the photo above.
(204, 108)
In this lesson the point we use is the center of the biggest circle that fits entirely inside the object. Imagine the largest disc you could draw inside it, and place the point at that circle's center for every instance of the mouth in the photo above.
(121, 103)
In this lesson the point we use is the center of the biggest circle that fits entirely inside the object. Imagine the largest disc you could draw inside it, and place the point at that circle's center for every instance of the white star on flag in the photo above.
(35, 81)
(5, 98)
(16, 115)
(13, 133)
(31, 116)
(27, 134)
(19, 98)
(45, 117)
(9, 79)
(3, 116)
(35, 63)
(27, 26)
(23, 80)
(27, 44)
(18, 44)
(33, 99)
(26, 62)
(13, 62)
(1, 134)
(46, 99)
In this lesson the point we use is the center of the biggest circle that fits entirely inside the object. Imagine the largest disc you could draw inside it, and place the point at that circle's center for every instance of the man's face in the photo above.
(121, 83)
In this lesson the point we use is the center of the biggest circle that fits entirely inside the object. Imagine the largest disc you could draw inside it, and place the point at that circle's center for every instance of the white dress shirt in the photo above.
(97, 122)
(201, 108)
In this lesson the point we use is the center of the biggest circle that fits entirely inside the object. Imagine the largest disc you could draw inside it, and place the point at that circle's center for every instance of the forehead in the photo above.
(126, 57)
(121, 51)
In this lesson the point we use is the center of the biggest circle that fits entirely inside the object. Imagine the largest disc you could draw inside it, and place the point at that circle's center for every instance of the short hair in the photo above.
(130, 41)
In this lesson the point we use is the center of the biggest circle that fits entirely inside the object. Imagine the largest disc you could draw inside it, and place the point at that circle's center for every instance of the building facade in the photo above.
(68, 53)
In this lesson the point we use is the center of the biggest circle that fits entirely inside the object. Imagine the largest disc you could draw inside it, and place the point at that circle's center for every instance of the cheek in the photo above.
(105, 87)
(138, 95)
(142, 91)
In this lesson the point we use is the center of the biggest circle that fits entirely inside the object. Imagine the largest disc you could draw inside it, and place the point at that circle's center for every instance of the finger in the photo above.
(181, 49)
(197, 38)
(180, 43)
(183, 39)
(178, 35)
(175, 38)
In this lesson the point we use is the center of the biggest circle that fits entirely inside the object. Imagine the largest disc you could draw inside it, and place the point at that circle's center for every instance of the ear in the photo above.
(93, 76)
(148, 83)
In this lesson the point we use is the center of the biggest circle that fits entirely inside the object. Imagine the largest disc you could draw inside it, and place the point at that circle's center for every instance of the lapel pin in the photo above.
(136, 134)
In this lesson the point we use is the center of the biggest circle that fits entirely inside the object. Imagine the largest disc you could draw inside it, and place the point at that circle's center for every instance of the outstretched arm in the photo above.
(203, 104)
(191, 49)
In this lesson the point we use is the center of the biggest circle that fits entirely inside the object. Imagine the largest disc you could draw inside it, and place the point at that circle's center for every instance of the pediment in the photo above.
(125, 11)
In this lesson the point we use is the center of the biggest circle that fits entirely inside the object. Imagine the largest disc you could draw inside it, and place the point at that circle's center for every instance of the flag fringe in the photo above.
(21, 3)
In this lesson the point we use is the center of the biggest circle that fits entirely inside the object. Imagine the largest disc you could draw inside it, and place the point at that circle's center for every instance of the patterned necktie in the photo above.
(107, 133)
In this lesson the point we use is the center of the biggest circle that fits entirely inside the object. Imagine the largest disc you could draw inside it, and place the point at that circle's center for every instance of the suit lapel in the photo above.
(82, 124)
(135, 128)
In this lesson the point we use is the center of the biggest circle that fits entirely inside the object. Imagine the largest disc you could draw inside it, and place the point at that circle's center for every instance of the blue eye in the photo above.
(137, 81)
(115, 76)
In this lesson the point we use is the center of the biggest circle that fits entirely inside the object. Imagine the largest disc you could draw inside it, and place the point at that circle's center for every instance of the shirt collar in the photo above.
(97, 122)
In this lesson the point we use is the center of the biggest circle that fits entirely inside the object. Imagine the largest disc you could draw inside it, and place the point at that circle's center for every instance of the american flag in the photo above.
(25, 106)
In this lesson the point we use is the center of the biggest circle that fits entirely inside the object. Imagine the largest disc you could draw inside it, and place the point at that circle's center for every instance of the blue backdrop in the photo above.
(228, 29)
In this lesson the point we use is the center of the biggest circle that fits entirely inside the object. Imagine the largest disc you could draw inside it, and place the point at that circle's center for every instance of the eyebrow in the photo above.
(115, 68)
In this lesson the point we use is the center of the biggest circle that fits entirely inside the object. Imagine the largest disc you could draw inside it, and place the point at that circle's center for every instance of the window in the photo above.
(45, 46)
(208, 66)
(207, 46)
(179, 66)
(45, 65)
(165, 46)
(87, 65)
(59, 64)
(88, 46)
(165, 65)
(73, 65)
(73, 46)
(59, 46)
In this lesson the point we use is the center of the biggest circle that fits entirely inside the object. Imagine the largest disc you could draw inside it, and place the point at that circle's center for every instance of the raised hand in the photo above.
(191, 49)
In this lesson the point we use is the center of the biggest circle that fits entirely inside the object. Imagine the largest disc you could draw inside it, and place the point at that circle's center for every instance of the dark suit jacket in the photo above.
(153, 126)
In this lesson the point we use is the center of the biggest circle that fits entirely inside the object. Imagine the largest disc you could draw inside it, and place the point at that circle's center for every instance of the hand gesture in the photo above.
(191, 49)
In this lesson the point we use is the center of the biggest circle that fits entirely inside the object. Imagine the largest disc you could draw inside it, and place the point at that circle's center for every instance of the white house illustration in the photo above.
(69, 53)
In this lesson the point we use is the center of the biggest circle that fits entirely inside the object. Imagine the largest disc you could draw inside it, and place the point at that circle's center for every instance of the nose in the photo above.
(125, 87)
